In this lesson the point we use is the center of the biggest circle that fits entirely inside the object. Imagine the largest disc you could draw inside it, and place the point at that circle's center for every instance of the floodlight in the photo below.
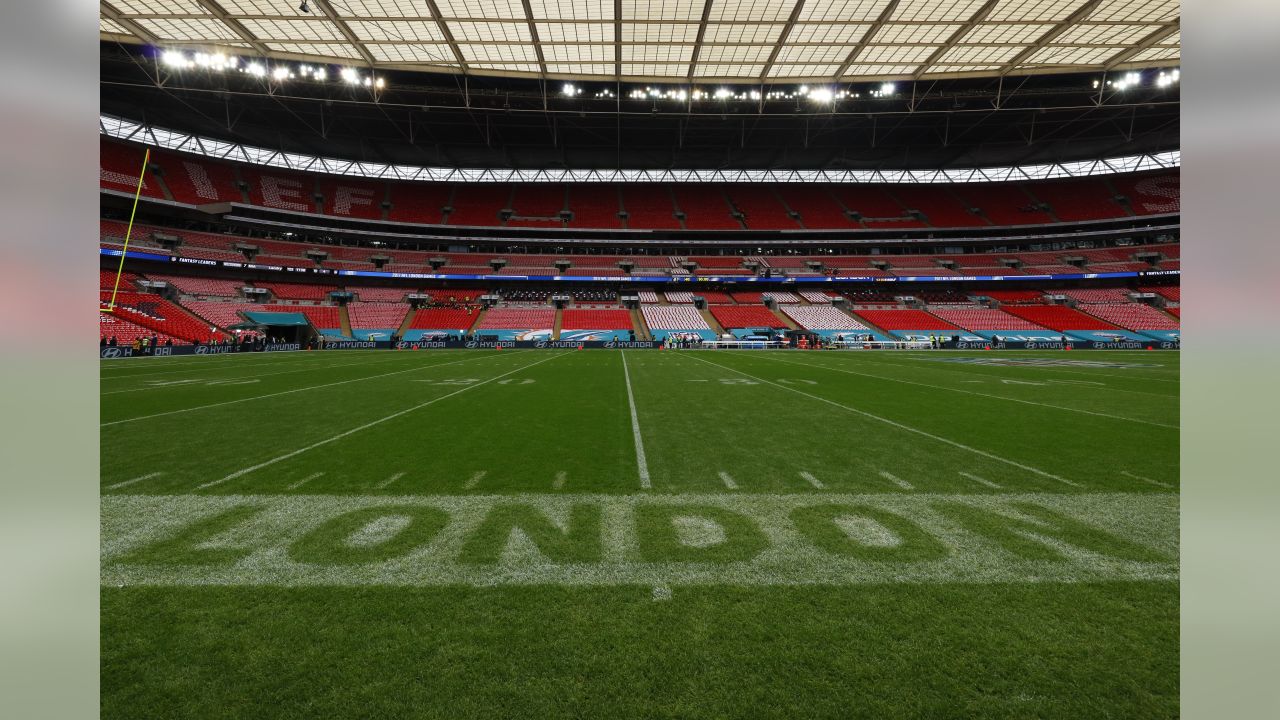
(888, 88)
(822, 95)
(173, 58)
(256, 69)
(280, 72)
(350, 75)
(379, 83)
(569, 90)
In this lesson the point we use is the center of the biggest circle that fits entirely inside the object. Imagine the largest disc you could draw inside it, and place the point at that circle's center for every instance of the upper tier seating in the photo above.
(761, 207)
(275, 188)
(1152, 194)
(197, 182)
(202, 287)
(479, 205)
(1005, 297)
(419, 203)
(444, 318)
(877, 206)
(576, 319)
(980, 318)
(594, 206)
(1134, 316)
(1091, 296)
(353, 197)
(649, 207)
(818, 209)
(538, 200)
(939, 205)
(745, 316)
(1002, 203)
(514, 318)
(673, 317)
(821, 317)
(705, 207)
(1057, 317)
(119, 166)
(1077, 199)
(379, 294)
(297, 291)
(905, 320)
(376, 316)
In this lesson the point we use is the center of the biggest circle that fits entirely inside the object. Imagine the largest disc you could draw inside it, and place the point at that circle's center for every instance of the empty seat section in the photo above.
(750, 298)
(157, 314)
(818, 208)
(1152, 194)
(297, 291)
(1168, 292)
(118, 168)
(714, 297)
(1134, 316)
(419, 203)
(717, 262)
(647, 296)
(510, 318)
(1012, 296)
(1057, 317)
(322, 317)
(202, 287)
(673, 317)
(479, 205)
(1080, 199)
(578, 319)
(877, 207)
(938, 205)
(125, 332)
(761, 207)
(280, 189)
(379, 294)
(705, 207)
(107, 279)
(745, 316)
(981, 318)
(222, 314)
(351, 197)
(822, 317)
(1095, 295)
(1003, 203)
(453, 296)
(594, 206)
(782, 298)
(197, 181)
(905, 320)
(821, 297)
(649, 207)
(444, 318)
(538, 200)
(375, 315)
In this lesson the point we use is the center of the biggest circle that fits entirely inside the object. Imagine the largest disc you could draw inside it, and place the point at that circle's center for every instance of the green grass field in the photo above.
(640, 534)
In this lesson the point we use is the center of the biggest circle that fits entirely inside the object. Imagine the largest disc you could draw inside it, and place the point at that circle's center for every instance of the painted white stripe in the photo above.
(818, 366)
(228, 379)
(390, 480)
(642, 465)
(148, 476)
(812, 480)
(896, 480)
(661, 593)
(981, 480)
(728, 481)
(370, 424)
(893, 423)
(304, 481)
(1145, 479)
(295, 390)
(559, 481)
(475, 479)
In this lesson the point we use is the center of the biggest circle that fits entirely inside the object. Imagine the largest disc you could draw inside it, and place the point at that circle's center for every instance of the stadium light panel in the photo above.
(350, 75)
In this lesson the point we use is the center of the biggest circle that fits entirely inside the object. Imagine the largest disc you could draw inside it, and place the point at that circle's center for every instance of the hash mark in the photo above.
(305, 480)
(812, 480)
(474, 480)
(977, 479)
(728, 480)
(390, 480)
(148, 476)
(896, 480)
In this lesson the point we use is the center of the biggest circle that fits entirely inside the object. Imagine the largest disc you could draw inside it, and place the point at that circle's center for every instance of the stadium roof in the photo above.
(675, 40)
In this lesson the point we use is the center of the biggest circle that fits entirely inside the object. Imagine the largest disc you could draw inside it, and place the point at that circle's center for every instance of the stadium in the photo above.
(677, 358)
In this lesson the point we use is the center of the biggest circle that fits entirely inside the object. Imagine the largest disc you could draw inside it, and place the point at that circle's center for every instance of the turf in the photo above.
(479, 533)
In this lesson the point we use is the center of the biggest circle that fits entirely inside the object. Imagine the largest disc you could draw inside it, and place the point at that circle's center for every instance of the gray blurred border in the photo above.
(1231, 249)
(49, 495)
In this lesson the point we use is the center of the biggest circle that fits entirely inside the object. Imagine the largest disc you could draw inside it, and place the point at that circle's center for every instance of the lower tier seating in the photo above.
(981, 318)
(821, 317)
(745, 316)
(1057, 317)
(576, 319)
(1134, 316)
(444, 318)
(673, 317)
(905, 320)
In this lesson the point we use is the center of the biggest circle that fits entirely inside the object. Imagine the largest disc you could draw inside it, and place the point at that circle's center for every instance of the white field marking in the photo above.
(148, 476)
(164, 385)
(900, 426)
(390, 480)
(642, 465)
(475, 479)
(304, 481)
(295, 390)
(1062, 370)
(985, 395)
(981, 480)
(558, 483)
(214, 363)
(661, 593)
(957, 370)
(808, 476)
(789, 558)
(1145, 479)
(896, 480)
(366, 426)
(728, 481)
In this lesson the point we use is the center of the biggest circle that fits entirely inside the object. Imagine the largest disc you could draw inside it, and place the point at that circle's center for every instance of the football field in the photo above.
(603, 533)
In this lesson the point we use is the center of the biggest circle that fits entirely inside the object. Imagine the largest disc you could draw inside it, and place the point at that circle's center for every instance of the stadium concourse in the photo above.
(674, 359)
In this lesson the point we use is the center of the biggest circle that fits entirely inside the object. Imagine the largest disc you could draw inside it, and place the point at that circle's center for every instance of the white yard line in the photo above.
(304, 481)
(892, 423)
(980, 480)
(475, 479)
(198, 381)
(366, 426)
(642, 465)
(382, 485)
(896, 480)
(809, 478)
(289, 392)
(148, 476)
(1145, 479)
(979, 394)
(728, 480)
